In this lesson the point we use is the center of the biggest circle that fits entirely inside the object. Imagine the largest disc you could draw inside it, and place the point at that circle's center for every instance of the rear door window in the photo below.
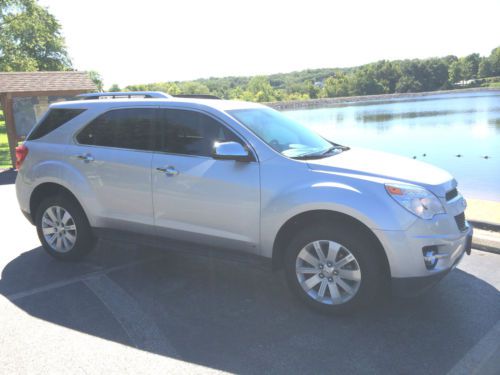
(55, 118)
(130, 128)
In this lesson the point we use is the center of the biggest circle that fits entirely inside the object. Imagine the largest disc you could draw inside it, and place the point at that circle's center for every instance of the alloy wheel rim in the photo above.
(59, 229)
(328, 272)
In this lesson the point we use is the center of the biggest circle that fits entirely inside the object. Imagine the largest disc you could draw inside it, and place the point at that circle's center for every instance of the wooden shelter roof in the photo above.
(18, 82)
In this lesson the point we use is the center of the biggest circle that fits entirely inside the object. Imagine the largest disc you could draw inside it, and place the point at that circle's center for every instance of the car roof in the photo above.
(221, 105)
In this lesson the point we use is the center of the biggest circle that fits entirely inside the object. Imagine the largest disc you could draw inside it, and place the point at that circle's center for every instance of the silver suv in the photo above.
(345, 224)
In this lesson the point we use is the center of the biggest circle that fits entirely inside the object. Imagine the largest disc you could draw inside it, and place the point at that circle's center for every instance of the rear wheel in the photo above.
(63, 228)
(334, 268)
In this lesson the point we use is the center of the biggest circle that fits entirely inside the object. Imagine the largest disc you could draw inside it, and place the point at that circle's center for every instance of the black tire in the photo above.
(85, 240)
(365, 252)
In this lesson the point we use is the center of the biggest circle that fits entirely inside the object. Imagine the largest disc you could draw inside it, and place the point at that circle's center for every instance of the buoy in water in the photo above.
(458, 155)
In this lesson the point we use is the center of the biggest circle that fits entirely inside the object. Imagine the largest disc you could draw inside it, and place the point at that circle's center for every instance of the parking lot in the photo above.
(133, 309)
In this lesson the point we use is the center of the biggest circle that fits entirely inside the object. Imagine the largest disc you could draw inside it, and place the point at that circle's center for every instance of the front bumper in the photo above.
(411, 286)
(409, 273)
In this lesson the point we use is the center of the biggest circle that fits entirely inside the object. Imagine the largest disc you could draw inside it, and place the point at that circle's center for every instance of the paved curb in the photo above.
(480, 246)
(485, 225)
(485, 237)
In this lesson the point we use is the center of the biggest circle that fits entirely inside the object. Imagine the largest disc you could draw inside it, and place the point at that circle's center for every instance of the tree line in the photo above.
(382, 77)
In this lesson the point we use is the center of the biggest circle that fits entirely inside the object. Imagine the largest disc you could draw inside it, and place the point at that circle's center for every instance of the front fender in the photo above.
(370, 205)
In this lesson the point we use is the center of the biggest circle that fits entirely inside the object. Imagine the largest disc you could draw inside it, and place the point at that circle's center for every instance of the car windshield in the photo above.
(284, 134)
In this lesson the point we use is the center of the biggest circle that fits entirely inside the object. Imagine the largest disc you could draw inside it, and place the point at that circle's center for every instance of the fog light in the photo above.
(430, 258)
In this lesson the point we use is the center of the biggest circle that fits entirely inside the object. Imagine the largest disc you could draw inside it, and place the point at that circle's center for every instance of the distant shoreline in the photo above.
(331, 102)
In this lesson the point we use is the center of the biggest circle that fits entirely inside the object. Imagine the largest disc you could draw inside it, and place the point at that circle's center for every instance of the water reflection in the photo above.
(495, 122)
(420, 98)
(368, 116)
(439, 126)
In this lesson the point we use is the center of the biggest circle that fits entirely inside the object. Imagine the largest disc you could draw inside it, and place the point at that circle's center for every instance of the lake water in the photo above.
(433, 128)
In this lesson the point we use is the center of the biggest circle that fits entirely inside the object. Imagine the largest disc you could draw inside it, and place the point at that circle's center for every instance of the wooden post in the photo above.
(8, 113)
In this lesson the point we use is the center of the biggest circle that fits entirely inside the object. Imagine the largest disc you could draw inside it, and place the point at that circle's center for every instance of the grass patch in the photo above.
(4, 147)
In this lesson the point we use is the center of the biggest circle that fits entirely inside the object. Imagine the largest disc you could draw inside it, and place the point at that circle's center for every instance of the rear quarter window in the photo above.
(54, 119)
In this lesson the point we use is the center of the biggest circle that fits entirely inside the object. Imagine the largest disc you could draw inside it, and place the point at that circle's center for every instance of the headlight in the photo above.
(416, 199)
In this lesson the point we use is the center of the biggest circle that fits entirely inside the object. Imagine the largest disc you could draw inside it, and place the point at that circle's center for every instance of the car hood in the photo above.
(382, 165)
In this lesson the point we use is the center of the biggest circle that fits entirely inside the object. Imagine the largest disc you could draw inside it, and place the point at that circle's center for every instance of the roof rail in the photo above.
(126, 94)
(197, 96)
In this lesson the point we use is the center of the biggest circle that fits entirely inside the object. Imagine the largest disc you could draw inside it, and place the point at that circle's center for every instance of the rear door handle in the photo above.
(86, 157)
(169, 171)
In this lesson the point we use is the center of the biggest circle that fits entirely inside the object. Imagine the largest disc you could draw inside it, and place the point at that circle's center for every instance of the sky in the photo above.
(132, 42)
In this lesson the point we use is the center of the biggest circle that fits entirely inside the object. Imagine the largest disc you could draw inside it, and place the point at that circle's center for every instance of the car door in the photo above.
(196, 197)
(114, 154)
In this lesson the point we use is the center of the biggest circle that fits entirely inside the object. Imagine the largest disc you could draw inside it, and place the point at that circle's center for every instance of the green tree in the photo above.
(261, 89)
(97, 79)
(312, 90)
(494, 60)
(415, 76)
(30, 38)
(248, 96)
(235, 93)
(387, 73)
(336, 86)
(437, 74)
(168, 87)
(115, 88)
(465, 68)
(364, 82)
(470, 65)
(408, 84)
(455, 71)
(485, 68)
(192, 87)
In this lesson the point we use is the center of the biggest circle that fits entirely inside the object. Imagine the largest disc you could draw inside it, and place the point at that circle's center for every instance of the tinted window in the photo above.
(281, 132)
(191, 133)
(124, 128)
(54, 119)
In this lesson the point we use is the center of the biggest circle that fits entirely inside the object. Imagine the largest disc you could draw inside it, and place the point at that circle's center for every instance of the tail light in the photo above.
(21, 153)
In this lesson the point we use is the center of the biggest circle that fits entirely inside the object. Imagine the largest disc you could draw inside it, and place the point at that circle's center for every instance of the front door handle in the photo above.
(169, 171)
(86, 158)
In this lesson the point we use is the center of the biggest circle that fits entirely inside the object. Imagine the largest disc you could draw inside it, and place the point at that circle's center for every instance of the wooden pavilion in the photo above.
(25, 97)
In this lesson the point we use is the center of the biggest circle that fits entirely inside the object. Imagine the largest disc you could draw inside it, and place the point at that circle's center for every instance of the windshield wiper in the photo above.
(308, 156)
(336, 146)
(330, 149)
(321, 154)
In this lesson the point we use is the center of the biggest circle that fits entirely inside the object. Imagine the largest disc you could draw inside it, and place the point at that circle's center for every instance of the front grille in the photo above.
(460, 220)
(451, 194)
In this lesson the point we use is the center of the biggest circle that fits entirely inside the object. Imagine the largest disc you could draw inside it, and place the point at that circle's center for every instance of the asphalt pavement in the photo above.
(135, 309)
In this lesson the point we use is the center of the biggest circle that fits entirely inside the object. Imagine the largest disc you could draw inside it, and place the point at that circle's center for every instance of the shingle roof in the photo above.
(45, 81)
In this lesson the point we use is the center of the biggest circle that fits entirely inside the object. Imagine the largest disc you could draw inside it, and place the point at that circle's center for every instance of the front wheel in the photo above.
(63, 228)
(333, 268)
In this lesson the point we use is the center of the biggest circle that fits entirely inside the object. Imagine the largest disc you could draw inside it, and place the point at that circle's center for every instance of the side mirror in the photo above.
(230, 151)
